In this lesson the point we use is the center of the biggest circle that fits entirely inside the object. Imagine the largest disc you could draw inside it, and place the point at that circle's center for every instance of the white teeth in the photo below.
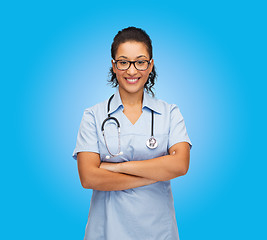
(132, 80)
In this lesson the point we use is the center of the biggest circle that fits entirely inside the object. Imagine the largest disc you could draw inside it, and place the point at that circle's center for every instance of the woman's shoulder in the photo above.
(165, 104)
(162, 105)
(97, 109)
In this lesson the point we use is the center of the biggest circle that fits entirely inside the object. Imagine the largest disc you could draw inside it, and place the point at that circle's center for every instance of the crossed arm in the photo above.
(125, 175)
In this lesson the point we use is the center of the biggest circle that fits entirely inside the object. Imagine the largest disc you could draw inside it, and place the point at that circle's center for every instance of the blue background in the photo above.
(211, 61)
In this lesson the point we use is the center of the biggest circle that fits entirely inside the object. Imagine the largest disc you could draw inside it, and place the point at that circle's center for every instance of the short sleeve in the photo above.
(177, 131)
(87, 139)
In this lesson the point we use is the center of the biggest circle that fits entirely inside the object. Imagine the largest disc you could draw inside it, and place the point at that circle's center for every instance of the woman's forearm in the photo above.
(104, 180)
(160, 169)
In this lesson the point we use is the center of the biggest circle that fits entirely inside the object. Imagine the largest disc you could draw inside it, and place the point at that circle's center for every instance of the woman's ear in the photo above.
(151, 65)
(113, 66)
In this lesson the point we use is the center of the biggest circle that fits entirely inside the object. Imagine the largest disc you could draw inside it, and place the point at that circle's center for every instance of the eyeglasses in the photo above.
(140, 65)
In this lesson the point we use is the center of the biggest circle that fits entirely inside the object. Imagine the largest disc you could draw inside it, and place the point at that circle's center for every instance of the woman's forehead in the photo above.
(132, 49)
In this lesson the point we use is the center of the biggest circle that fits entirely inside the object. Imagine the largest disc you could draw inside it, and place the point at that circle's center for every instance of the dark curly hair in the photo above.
(137, 35)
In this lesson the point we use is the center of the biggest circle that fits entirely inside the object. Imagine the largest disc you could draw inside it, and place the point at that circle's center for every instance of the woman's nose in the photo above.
(132, 70)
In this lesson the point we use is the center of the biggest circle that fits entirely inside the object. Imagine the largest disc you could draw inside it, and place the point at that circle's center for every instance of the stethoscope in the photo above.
(151, 142)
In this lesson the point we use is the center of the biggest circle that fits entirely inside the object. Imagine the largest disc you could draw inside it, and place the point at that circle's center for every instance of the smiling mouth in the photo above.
(132, 80)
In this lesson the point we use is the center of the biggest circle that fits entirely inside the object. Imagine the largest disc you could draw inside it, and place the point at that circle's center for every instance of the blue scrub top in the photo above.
(145, 212)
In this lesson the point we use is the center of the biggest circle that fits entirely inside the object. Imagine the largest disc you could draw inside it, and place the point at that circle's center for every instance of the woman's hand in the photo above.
(114, 167)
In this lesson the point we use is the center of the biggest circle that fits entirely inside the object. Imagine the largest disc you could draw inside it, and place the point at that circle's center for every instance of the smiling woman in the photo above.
(132, 197)
(131, 34)
(129, 55)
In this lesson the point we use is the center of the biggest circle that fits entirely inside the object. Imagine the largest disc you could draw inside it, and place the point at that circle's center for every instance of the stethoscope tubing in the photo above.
(151, 142)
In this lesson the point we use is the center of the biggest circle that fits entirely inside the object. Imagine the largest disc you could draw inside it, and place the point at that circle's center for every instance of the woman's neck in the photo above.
(131, 99)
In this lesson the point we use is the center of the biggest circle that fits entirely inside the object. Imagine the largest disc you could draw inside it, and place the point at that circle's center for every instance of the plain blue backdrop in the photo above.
(211, 62)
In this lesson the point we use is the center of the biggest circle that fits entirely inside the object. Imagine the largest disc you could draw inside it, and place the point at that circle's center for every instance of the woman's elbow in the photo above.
(85, 184)
(90, 182)
(182, 170)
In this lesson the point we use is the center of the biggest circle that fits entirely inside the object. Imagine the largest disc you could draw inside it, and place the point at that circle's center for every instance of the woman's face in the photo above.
(132, 80)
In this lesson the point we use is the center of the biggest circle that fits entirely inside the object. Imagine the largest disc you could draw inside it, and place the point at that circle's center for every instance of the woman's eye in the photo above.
(123, 62)
(140, 62)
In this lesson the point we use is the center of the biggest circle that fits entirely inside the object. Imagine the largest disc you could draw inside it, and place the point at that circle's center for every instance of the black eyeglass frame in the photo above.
(132, 62)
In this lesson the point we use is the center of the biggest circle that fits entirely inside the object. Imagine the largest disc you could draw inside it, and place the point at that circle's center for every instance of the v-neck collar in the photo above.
(148, 102)
(128, 120)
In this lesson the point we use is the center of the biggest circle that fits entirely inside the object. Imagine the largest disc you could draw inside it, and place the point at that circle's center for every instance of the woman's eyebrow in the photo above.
(141, 56)
(122, 57)
(136, 57)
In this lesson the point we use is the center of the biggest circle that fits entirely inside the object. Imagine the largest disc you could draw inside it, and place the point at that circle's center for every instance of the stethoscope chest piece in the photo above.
(152, 143)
